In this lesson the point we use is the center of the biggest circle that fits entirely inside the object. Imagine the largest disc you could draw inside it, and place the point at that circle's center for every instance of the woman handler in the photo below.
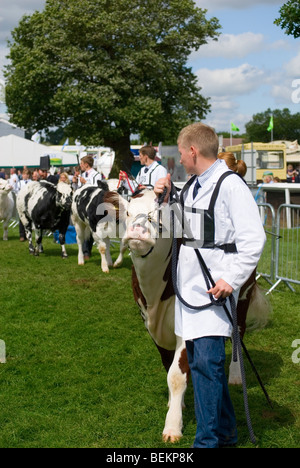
(231, 239)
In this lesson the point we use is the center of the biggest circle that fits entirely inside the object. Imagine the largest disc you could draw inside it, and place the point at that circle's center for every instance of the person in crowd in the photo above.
(268, 178)
(177, 172)
(2, 174)
(26, 179)
(89, 176)
(291, 174)
(14, 180)
(64, 177)
(35, 175)
(43, 175)
(76, 178)
(150, 173)
(231, 249)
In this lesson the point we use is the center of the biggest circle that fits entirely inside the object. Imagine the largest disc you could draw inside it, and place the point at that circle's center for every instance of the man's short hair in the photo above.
(88, 160)
(203, 137)
(149, 151)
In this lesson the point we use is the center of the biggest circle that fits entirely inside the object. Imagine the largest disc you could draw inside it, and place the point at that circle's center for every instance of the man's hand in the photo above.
(160, 186)
(222, 289)
(122, 175)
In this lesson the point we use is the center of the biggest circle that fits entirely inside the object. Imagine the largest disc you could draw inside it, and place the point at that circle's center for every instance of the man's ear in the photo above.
(193, 151)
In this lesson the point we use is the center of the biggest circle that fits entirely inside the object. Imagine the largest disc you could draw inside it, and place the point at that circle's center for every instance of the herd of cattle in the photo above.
(104, 213)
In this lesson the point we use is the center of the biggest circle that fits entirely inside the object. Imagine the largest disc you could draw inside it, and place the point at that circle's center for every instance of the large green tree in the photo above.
(286, 126)
(289, 19)
(105, 69)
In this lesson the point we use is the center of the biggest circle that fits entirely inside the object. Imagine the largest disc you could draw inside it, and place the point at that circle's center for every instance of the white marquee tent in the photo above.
(19, 152)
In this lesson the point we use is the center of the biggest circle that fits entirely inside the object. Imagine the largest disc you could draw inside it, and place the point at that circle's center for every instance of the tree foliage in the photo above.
(105, 69)
(290, 18)
(286, 126)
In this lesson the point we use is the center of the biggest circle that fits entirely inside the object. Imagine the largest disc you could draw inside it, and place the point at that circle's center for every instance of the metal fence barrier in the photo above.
(266, 266)
(287, 250)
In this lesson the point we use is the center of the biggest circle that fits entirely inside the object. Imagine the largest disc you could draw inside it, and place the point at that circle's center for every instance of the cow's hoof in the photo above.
(106, 271)
(64, 257)
(171, 436)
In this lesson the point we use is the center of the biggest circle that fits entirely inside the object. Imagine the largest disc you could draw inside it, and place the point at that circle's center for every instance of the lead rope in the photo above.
(237, 348)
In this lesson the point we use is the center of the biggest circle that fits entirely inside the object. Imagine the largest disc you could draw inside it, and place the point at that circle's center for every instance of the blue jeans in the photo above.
(216, 423)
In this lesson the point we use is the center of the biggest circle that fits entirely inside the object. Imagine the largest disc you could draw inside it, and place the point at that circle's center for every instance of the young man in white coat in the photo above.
(230, 241)
(91, 177)
(149, 174)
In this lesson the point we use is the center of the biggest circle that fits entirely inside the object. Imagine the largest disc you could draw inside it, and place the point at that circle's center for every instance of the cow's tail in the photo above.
(259, 310)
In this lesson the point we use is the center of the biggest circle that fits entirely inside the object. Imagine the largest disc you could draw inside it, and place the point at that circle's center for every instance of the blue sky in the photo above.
(252, 66)
(250, 69)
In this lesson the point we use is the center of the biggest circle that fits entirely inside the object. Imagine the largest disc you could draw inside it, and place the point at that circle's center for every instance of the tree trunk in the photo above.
(124, 157)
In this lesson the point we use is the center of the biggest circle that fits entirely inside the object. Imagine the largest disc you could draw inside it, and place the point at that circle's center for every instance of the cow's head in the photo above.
(5, 187)
(144, 224)
(64, 195)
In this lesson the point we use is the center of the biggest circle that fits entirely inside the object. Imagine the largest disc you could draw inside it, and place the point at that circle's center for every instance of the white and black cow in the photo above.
(153, 291)
(98, 211)
(7, 205)
(45, 206)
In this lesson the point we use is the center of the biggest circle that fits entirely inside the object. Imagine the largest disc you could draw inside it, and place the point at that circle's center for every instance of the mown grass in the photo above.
(82, 371)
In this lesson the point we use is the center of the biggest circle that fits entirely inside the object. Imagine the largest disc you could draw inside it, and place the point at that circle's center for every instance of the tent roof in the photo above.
(18, 152)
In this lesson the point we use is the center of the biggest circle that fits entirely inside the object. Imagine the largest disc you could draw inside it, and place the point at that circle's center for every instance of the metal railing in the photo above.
(287, 251)
(266, 267)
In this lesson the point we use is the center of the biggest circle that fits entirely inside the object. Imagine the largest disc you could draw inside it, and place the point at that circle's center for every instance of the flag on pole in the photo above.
(271, 124)
(65, 143)
(36, 137)
(234, 128)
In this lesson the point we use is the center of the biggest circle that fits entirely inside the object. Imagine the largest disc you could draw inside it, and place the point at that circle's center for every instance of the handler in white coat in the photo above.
(231, 240)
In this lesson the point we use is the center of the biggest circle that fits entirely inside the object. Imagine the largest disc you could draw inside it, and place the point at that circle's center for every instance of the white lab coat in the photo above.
(151, 174)
(92, 177)
(237, 221)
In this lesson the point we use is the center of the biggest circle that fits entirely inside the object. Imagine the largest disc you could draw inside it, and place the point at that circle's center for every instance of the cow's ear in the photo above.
(103, 185)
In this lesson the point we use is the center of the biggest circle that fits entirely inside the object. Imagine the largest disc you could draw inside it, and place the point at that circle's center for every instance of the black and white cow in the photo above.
(7, 205)
(100, 212)
(153, 292)
(45, 206)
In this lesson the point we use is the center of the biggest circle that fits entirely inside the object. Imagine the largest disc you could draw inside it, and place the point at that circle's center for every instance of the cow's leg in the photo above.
(119, 260)
(28, 232)
(103, 246)
(39, 239)
(80, 236)
(5, 230)
(177, 383)
(108, 255)
(62, 241)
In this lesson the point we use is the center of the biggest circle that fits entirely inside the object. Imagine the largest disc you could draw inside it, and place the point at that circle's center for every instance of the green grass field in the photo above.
(82, 371)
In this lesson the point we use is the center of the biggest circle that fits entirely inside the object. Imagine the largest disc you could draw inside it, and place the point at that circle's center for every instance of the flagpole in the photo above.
(272, 132)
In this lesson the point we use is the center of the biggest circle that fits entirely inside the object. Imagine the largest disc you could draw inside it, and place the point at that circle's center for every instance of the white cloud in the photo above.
(230, 81)
(292, 68)
(282, 82)
(12, 12)
(235, 4)
(231, 46)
